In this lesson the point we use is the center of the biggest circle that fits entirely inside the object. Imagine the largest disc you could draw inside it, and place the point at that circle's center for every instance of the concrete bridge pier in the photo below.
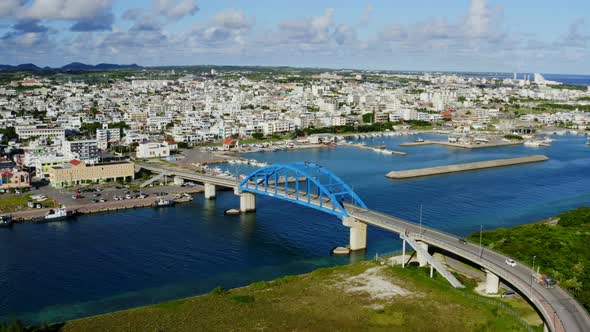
(247, 202)
(210, 192)
(358, 233)
(492, 283)
(178, 181)
(422, 260)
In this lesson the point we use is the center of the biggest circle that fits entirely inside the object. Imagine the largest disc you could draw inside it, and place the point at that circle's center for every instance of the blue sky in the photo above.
(466, 35)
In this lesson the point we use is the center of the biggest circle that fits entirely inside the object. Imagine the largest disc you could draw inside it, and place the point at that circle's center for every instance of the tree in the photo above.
(90, 127)
(9, 134)
(368, 118)
(257, 135)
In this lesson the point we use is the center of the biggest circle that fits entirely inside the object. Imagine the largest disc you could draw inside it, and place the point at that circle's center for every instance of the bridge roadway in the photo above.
(560, 310)
(192, 176)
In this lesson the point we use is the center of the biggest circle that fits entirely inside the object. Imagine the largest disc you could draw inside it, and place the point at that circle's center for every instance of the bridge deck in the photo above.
(559, 309)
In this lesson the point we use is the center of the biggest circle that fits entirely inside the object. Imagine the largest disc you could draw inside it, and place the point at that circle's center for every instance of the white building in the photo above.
(274, 127)
(153, 150)
(84, 150)
(106, 135)
(41, 131)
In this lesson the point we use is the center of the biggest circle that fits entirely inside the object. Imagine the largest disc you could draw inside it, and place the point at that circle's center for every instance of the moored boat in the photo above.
(58, 214)
(164, 202)
(6, 220)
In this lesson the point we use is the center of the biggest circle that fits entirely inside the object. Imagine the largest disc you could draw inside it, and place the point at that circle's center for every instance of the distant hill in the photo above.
(71, 66)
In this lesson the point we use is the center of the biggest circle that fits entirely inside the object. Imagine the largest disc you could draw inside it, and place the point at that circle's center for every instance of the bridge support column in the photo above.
(492, 283)
(404, 254)
(247, 202)
(422, 260)
(358, 233)
(210, 191)
(178, 181)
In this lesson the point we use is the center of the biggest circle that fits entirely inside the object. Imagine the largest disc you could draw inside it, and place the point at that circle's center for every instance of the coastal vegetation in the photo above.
(513, 136)
(19, 203)
(358, 297)
(559, 246)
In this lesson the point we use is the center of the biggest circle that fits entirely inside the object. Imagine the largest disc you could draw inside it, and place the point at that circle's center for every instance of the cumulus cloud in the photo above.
(366, 17)
(66, 9)
(576, 35)
(86, 14)
(226, 29)
(29, 26)
(9, 8)
(174, 9)
(97, 23)
(311, 30)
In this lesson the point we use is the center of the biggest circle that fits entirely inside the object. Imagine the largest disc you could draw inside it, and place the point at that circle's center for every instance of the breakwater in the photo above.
(412, 173)
(461, 145)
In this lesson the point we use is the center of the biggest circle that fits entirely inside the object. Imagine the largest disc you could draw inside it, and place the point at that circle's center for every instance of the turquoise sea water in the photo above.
(112, 261)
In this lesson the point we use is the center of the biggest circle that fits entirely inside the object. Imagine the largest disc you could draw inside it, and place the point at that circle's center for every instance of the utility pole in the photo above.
(420, 219)
(533, 273)
(480, 237)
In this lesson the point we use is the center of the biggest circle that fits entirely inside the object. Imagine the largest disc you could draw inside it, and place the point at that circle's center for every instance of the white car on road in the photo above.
(510, 262)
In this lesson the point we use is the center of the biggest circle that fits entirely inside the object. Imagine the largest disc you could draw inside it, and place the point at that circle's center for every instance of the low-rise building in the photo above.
(40, 131)
(77, 172)
(153, 150)
(14, 178)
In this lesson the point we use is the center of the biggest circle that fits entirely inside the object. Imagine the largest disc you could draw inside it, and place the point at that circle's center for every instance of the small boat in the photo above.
(164, 202)
(419, 140)
(532, 144)
(6, 220)
(58, 214)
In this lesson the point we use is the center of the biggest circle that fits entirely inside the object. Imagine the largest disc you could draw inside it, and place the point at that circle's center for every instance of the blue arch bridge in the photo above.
(315, 187)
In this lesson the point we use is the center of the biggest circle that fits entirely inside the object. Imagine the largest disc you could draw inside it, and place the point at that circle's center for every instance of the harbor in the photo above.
(114, 205)
(462, 145)
(112, 250)
(413, 173)
(379, 148)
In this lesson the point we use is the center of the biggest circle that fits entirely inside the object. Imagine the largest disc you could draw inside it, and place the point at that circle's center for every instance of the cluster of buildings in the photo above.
(153, 116)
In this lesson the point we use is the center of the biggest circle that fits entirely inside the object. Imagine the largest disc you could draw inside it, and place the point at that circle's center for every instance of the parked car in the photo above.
(510, 262)
(508, 293)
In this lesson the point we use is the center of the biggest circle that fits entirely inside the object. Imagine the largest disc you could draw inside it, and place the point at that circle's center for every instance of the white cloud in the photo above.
(65, 9)
(311, 30)
(173, 9)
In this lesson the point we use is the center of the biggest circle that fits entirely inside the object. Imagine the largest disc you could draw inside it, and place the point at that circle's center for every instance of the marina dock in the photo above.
(412, 173)
(462, 146)
(378, 149)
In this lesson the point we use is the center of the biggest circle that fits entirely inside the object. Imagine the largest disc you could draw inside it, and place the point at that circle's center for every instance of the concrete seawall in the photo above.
(412, 173)
(463, 146)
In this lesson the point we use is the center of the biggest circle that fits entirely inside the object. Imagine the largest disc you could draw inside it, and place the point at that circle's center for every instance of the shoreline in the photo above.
(90, 208)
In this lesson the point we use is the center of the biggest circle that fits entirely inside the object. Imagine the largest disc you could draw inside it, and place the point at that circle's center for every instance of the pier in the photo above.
(412, 173)
(462, 146)
(378, 149)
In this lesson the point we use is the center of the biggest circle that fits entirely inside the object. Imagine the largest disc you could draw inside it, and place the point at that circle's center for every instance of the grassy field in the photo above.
(560, 247)
(359, 297)
(19, 203)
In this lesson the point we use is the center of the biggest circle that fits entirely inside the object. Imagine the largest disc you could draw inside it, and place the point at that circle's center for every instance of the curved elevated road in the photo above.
(560, 310)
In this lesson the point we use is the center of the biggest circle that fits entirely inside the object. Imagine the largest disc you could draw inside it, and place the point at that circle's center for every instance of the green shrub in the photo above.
(243, 298)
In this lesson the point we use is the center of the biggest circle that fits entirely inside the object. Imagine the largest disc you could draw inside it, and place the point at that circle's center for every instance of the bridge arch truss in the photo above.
(305, 184)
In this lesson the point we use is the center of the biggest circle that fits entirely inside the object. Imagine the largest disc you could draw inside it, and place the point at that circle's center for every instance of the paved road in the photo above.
(559, 309)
